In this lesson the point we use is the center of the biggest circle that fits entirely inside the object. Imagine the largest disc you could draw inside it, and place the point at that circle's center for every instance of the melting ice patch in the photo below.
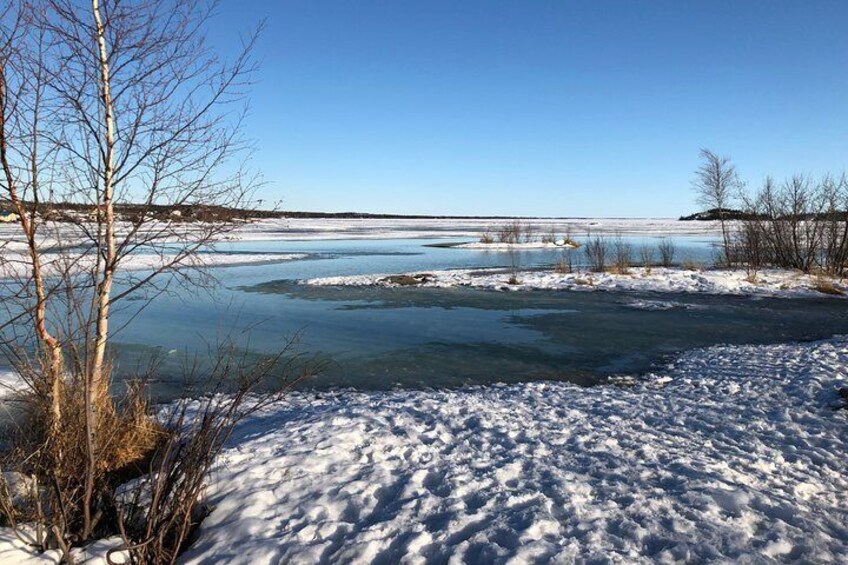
(658, 305)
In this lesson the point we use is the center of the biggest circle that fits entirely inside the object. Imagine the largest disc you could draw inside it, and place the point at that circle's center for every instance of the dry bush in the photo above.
(53, 453)
(622, 255)
(799, 224)
(596, 250)
(510, 233)
(690, 265)
(564, 265)
(646, 257)
(516, 232)
(666, 249)
(549, 236)
(152, 465)
(824, 284)
(158, 513)
(487, 237)
(749, 247)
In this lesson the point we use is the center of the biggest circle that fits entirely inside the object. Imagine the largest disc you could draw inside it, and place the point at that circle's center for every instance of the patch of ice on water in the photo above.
(657, 305)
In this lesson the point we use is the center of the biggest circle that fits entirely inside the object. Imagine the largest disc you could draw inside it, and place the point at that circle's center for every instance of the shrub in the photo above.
(550, 236)
(798, 224)
(825, 285)
(622, 254)
(564, 265)
(511, 232)
(666, 251)
(596, 250)
(646, 257)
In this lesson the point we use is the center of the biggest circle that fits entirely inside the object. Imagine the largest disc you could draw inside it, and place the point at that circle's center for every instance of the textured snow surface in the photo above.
(733, 454)
(772, 282)
(729, 454)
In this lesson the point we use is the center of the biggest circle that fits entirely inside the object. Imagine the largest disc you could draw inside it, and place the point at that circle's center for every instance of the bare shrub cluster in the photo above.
(622, 253)
(596, 251)
(513, 232)
(518, 232)
(646, 257)
(667, 250)
(798, 224)
(616, 254)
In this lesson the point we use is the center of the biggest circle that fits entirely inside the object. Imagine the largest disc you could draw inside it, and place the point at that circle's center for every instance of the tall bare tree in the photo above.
(106, 103)
(716, 184)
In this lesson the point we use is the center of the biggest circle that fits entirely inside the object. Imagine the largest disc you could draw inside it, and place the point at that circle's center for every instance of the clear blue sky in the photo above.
(556, 108)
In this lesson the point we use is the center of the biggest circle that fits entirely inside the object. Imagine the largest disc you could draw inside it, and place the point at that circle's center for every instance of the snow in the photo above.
(517, 246)
(16, 265)
(14, 550)
(728, 454)
(397, 228)
(771, 282)
(142, 261)
(376, 228)
(10, 382)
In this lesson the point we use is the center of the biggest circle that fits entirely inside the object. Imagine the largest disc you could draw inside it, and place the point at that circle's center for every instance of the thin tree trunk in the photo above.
(95, 380)
(47, 340)
(725, 237)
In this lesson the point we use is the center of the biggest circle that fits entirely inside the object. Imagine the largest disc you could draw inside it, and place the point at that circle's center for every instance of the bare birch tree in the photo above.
(716, 183)
(104, 103)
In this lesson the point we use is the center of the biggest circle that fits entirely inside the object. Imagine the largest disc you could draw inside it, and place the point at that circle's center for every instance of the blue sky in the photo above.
(553, 108)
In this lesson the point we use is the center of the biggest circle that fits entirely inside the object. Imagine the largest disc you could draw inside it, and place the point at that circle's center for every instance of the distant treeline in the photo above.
(200, 212)
(719, 213)
(714, 214)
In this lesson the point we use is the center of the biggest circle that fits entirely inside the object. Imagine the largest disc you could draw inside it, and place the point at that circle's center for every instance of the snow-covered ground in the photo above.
(730, 454)
(770, 282)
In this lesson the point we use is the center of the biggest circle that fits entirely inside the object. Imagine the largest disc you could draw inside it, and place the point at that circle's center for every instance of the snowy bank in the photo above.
(729, 454)
(771, 282)
(732, 453)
